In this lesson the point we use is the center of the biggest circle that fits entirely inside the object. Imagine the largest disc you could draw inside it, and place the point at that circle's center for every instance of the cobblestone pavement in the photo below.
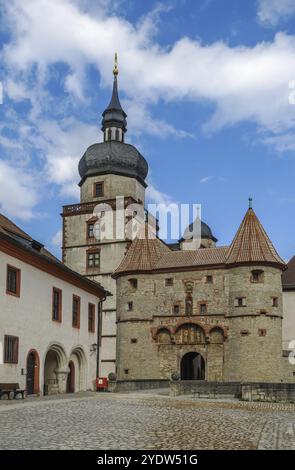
(144, 421)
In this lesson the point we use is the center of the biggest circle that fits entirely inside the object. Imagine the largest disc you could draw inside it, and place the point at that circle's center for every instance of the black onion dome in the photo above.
(114, 115)
(113, 157)
(206, 232)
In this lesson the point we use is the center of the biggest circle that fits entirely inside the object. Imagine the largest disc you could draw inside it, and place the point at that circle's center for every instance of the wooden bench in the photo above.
(9, 390)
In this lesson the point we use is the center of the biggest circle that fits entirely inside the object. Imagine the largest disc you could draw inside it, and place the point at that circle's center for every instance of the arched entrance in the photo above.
(33, 371)
(55, 370)
(192, 367)
(79, 366)
(71, 378)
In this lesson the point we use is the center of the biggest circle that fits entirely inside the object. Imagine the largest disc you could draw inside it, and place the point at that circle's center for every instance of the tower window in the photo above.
(133, 283)
(244, 332)
(203, 309)
(240, 302)
(98, 189)
(176, 309)
(169, 281)
(130, 306)
(109, 134)
(117, 134)
(90, 231)
(275, 302)
(262, 332)
(93, 259)
(209, 279)
(257, 276)
(189, 305)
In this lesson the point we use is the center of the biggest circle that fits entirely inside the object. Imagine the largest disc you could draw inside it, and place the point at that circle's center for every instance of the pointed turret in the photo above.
(143, 253)
(114, 124)
(252, 244)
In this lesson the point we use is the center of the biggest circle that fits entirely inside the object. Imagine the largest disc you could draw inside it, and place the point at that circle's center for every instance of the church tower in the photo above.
(108, 170)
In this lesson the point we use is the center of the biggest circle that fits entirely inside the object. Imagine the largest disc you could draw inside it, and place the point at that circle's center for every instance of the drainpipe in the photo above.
(99, 322)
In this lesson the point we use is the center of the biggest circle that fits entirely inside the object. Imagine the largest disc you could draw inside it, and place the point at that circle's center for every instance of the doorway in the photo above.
(71, 378)
(33, 366)
(192, 367)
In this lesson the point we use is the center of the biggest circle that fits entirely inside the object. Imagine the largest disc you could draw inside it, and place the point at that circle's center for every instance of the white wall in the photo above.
(30, 318)
(288, 318)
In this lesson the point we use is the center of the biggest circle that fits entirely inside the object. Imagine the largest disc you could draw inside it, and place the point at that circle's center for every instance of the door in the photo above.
(71, 378)
(31, 364)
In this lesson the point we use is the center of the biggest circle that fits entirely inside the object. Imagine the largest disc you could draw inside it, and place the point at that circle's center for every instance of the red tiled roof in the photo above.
(186, 258)
(251, 243)
(142, 254)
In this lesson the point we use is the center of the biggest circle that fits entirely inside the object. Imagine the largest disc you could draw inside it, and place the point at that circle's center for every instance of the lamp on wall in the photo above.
(93, 347)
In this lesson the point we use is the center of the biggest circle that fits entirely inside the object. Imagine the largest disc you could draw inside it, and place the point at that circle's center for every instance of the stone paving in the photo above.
(144, 421)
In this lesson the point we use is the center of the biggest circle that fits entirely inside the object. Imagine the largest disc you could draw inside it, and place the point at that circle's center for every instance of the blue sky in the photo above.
(205, 84)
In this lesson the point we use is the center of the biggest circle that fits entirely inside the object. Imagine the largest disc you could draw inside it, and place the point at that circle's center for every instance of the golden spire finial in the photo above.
(115, 70)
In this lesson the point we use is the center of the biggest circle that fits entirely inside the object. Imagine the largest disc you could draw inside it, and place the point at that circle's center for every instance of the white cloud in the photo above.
(206, 179)
(245, 83)
(18, 192)
(155, 196)
(270, 12)
(56, 240)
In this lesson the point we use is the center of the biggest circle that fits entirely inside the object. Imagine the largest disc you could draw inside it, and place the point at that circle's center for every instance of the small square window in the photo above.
(240, 302)
(133, 283)
(275, 302)
(203, 309)
(169, 281)
(133, 340)
(176, 309)
(98, 190)
(130, 306)
(126, 371)
(257, 276)
(244, 333)
(13, 281)
(209, 279)
(262, 332)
